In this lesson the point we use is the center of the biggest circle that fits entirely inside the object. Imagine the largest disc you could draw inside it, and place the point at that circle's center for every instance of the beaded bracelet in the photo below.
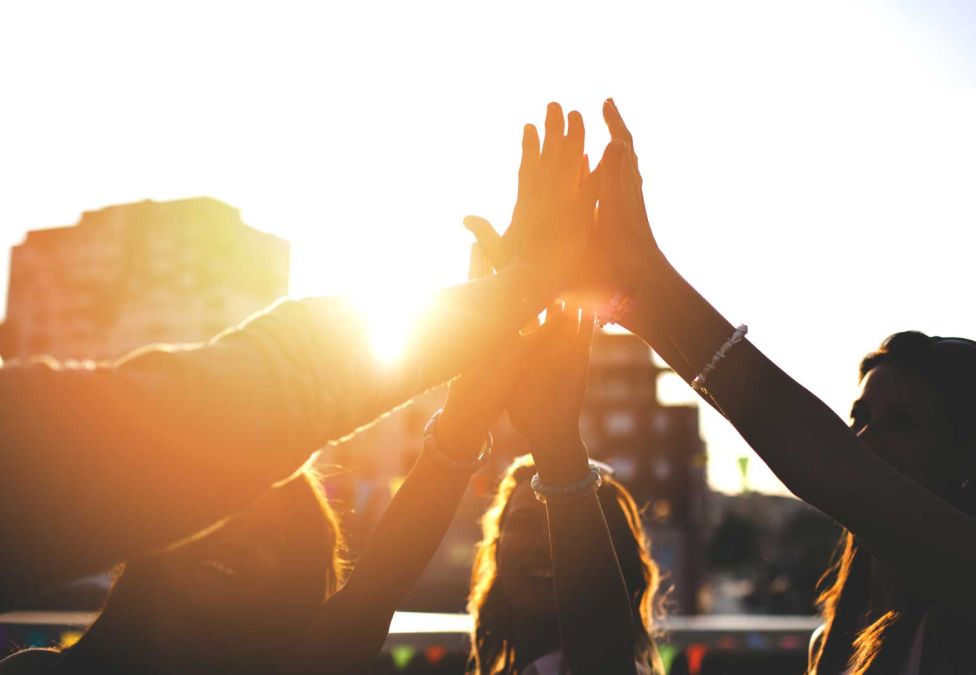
(698, 384)
(592, 481)
(620, 305)
(433, 449)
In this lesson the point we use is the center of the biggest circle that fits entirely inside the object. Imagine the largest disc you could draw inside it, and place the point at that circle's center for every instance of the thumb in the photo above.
(488, 237)
(478, 263)
(533, 340)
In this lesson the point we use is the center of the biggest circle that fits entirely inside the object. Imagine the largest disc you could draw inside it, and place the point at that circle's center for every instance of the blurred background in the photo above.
(169, 168)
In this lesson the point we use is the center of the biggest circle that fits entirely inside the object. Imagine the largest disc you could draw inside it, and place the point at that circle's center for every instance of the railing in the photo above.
(419, 639)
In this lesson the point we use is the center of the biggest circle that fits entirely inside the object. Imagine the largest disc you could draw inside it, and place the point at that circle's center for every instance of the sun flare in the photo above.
(390, 318)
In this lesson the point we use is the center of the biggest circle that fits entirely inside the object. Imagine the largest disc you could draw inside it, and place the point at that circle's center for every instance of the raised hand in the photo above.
(624, 241)
(554, 213)
(477, 399)
(501, 250)
(546, 402)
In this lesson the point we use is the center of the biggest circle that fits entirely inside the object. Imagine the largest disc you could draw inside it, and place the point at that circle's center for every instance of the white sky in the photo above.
(810, 166)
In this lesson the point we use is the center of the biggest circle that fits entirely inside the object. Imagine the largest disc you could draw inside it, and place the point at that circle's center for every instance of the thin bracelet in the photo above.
(618, 307)
(591, 482)
(434, 451)
(698, 384)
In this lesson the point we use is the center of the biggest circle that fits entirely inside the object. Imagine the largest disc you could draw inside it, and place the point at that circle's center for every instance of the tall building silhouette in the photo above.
(133, 274)
(656, 451)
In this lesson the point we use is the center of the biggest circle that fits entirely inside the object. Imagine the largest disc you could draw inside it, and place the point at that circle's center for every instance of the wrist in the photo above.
(434, 453)
(538, 284)
(561, 460)
(647, 277)
(458, 438)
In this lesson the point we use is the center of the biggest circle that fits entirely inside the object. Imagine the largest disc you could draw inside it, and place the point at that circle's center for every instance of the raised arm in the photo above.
(98, 464)
(349, 632)
(352, 626)
(927, 542)
(596, 624)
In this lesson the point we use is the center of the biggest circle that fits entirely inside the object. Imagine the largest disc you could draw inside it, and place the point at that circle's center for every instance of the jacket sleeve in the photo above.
(102, 462)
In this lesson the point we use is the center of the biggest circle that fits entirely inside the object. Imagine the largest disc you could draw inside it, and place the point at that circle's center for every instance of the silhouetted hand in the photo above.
(546, 402)
(554, 212)
(624, 242)
(478, 397)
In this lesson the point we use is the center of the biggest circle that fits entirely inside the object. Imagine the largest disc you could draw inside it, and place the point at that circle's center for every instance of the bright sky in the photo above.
(810, 167)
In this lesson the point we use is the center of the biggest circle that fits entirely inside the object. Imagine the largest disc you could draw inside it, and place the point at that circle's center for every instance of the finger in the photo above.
(491, 242)
(611, 167)
(555, 315)
(532, 325)
(530, 152)
(529, 341)
(569, 324)
(619, 130)
(615, 123)
(554, 311)
(575, 134)
(632, 181)
(555, 128)
(590, 181)
(584, 339)
(478, 263)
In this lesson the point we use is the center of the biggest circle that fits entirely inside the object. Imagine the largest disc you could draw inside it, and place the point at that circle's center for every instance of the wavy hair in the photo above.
(123, 638)
(948, 367)
(492, 650)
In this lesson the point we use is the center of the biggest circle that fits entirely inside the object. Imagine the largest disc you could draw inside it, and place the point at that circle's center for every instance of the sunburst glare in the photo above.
(390, 318)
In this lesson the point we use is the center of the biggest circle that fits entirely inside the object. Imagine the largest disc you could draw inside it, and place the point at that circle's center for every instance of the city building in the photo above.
(656, 451)
(132, 274)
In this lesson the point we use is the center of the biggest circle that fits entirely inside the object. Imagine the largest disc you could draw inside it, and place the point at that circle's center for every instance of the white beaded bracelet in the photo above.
(698, 384)
(592, 481)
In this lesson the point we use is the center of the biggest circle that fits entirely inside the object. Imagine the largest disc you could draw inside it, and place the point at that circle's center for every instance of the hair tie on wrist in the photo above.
(591, 482)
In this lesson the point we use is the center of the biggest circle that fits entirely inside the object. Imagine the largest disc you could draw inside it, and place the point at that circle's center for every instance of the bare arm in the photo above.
(927, 542)
(349, 632)
(596, 625)
(98, 464)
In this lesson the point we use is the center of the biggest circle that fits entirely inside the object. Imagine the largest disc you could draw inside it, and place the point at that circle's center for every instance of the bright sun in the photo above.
(390, 317)
(389, 278)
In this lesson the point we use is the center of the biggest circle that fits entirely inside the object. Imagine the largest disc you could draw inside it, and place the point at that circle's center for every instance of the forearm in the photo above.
(644, 325)
(352, 626)
(464, 322)
(112, 461)
(102, 463)
(817, 456)
(408, 534)
(595, 621)
(758, 398)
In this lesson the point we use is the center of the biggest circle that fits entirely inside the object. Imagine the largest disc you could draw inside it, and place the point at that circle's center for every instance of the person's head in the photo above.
(233, 596)
(512, 576)
(917, 410)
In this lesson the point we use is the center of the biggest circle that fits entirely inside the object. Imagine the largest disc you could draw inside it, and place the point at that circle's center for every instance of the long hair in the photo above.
(127, 636)
(856, 638)
(492, 649)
